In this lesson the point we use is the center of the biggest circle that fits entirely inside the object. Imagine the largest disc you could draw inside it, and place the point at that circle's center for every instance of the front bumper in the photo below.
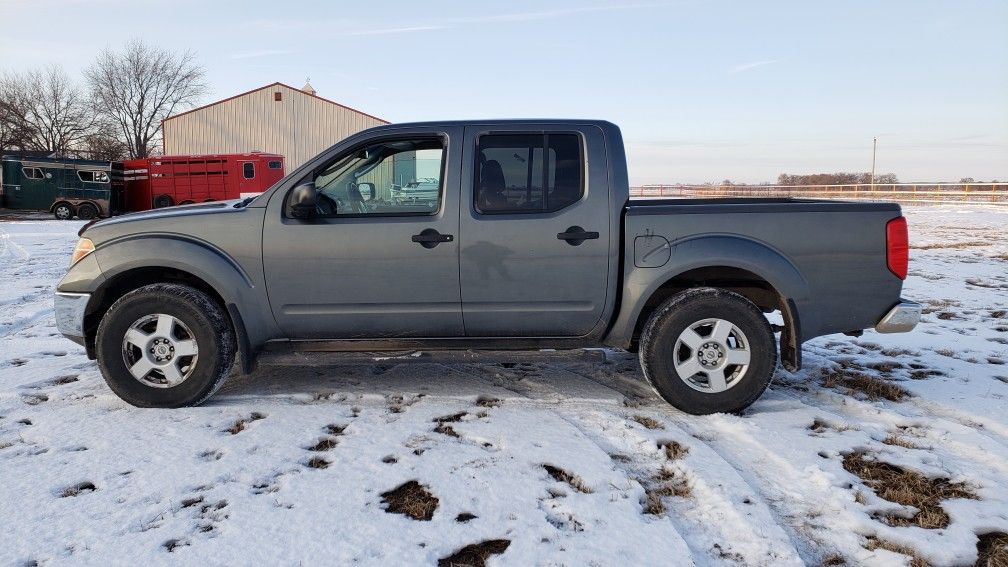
(900, 319)
(70, 309)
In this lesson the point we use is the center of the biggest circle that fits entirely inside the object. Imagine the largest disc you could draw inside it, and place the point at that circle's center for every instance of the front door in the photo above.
(370, 265)
(534, 231)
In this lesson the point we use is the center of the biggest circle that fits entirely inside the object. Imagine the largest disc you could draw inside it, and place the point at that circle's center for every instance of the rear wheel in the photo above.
(87, 211)
(162, 201)
(708, 350)
(165, 345)
(63, 211)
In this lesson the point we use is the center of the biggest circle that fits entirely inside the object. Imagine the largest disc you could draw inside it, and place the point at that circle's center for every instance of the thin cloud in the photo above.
(345, 27)
(260, 53)
(753, 65)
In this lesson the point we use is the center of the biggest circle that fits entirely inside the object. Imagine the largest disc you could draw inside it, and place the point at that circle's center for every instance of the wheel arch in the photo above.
(126, 266)
(748, 267)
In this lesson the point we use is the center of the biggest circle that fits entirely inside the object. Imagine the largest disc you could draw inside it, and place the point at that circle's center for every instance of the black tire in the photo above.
(162, 201)
(87, 211)
(658, 353)
(210, 328)
(63, 211)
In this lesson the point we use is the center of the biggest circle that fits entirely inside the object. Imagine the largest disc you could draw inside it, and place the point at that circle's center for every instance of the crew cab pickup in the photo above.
(527, 240)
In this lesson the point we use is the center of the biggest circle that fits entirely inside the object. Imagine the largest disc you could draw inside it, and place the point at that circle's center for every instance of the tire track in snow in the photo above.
(710, 525)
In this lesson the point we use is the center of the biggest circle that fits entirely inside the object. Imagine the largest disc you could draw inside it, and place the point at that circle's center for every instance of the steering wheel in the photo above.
(325, 206)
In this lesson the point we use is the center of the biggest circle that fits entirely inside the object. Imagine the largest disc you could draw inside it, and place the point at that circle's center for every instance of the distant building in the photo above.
(276, 118)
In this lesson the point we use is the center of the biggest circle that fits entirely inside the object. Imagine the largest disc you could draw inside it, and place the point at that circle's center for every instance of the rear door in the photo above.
(534, 230)
(371, 266)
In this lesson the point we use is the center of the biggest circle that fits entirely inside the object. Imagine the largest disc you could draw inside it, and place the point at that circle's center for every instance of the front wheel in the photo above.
(708, 350)
(165, 346)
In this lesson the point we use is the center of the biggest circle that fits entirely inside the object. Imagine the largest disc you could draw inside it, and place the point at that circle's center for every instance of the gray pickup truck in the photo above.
(525, 239)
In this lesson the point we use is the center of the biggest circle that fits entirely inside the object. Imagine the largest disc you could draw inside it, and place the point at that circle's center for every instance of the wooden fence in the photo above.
(907, 193)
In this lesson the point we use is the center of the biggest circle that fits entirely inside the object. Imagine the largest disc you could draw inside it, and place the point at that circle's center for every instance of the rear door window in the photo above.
(248, 170)
(528, 173)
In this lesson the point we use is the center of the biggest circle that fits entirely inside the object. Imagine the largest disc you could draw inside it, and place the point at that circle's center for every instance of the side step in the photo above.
(289, 358)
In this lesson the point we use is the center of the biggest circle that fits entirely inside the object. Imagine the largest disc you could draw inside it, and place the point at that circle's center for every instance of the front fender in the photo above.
(704, 251)
(237, 281)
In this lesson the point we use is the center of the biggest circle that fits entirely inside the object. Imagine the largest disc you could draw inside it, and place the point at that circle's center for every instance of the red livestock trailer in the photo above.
(163, 181)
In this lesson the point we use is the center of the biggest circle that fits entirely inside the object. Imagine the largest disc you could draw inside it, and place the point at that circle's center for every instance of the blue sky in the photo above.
(703, 90)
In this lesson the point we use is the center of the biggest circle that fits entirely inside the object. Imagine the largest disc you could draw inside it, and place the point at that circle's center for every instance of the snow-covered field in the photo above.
(570, 463)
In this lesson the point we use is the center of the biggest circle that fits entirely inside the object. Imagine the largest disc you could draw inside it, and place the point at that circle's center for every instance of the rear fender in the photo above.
(711, 250)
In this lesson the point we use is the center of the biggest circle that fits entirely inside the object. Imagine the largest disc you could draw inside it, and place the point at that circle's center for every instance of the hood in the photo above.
(164, 214)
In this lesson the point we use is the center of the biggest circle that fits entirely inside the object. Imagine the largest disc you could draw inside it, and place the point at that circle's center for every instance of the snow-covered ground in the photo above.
(85, 478)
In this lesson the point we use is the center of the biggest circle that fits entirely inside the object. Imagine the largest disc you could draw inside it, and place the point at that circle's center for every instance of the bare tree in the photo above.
(44, 110)
(137, 88)
(103, 143)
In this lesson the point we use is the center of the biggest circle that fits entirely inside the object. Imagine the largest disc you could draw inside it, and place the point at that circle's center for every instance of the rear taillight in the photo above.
(897, 247)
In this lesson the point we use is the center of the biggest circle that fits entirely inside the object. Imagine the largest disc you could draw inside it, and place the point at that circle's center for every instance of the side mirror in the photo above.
(367, 191)
(302, 202)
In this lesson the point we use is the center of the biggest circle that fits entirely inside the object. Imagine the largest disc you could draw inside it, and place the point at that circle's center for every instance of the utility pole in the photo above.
(873, 148)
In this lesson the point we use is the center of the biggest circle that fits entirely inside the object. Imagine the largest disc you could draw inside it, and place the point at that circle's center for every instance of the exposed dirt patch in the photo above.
(445, 429)
(873, 388)
(78, 489)
(410, 499)
(992, 550)
(488, 401)
(324, 444)
(334, 429)
(475, 555)
(948, 316)
(34, 399)
(61, 380)
(820, 425)
(872, 543)
(648, 422)
(909, 488)
(465, 517)
(172, 544)
(571, 479)
(240, 424)
(453, 418)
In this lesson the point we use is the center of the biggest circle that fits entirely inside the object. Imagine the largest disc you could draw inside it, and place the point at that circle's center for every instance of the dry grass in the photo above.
(873, 388)
(334, 429)
(951, 245)
(571, 479)
(674, 450)
(886, 366)
(653, 504)
(908, 488)
(453, 418)
(874, 543)
(475, 555)
(410, 499)
(992, 550)
(317, 463)
(648, 422)
(240, 424)
(669, 483)
(899, 442)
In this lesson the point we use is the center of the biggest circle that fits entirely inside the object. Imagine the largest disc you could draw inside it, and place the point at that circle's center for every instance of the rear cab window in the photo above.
(528, 173)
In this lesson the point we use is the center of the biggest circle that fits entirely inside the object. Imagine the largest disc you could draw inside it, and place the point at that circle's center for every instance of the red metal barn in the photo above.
(163, 181)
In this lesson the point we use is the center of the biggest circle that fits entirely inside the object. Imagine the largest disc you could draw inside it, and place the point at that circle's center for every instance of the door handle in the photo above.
(429, 238)
(575, 235)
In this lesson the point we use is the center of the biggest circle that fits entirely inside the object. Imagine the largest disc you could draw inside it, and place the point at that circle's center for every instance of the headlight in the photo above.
(83, 248)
